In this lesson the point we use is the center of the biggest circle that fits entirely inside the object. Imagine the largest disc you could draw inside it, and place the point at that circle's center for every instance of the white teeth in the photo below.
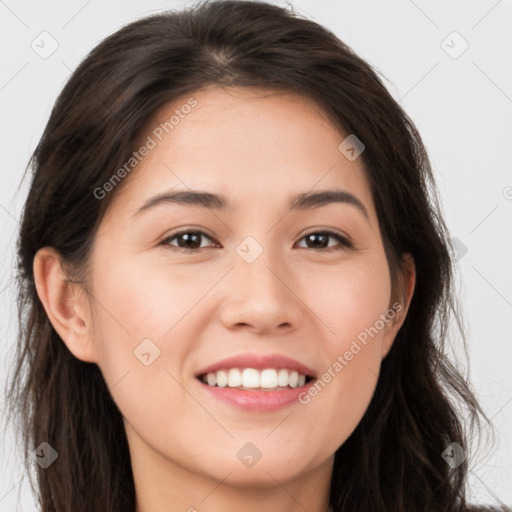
(222, 379)
(234, 378)
(250, 378)
(269, 379)
(293, 379)
(211, 379)
(282, 378)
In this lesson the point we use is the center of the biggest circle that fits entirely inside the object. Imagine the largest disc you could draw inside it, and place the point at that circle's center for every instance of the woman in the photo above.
(235, 283)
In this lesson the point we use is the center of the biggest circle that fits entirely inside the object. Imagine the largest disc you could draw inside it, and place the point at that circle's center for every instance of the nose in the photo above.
(260, 296)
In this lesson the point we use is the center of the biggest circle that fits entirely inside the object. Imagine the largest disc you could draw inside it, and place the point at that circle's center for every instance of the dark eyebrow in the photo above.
(309, 200)
(303, 201)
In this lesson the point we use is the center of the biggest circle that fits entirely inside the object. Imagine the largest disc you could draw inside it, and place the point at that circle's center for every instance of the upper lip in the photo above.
(258, 361)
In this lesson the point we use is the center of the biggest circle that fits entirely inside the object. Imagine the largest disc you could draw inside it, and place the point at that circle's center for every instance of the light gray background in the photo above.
(462, 105)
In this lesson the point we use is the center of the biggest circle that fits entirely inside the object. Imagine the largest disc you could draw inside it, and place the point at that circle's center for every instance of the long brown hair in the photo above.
(393, 460)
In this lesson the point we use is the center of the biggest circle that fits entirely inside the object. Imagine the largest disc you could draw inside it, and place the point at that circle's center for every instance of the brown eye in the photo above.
(320, 240)
(190, 240)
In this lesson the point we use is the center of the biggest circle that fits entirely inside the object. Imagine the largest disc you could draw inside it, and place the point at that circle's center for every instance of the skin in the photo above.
(258, 149)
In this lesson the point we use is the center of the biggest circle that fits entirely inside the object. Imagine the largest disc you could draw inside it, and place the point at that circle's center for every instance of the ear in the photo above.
(65, 304)
(400, 306)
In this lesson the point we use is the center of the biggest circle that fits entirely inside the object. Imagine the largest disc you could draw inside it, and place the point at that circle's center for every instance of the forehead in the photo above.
(253, 146)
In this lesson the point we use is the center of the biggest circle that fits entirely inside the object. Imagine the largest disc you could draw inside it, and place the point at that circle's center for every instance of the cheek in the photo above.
(134, 311)
(351, 305)
(350, 299)
(145, 299)
(135, 307)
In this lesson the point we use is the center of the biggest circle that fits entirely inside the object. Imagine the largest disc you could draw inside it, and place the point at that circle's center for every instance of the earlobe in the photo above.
(64, 305)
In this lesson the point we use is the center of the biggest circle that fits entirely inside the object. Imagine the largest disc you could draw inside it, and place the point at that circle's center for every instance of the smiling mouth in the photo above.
(251, 379)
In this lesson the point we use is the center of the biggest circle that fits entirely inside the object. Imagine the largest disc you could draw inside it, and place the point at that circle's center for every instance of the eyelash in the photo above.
(344, 242)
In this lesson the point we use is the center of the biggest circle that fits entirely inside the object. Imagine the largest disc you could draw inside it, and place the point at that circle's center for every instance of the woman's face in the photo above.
(256, 283)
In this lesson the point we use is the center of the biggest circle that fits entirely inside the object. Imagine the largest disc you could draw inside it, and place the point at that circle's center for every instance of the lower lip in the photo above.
(260, 401)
